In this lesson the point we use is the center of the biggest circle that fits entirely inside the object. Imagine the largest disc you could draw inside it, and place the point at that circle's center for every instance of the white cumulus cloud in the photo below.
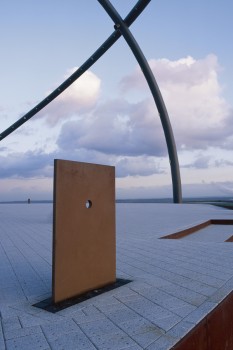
(81, 96)
(199, 114)
(126, 132)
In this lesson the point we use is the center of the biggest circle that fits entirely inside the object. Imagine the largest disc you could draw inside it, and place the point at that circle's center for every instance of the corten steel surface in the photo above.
(214, 332)
(195, 228)
(84, 247)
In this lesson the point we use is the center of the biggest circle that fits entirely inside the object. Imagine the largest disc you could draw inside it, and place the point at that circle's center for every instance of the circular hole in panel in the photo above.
(88, 204)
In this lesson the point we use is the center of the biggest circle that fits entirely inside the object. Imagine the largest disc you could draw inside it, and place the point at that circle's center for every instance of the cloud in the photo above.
(199, 114)
(116, 127)
(128, 133)
(185, 71)
(80, 97)
(26, 165)
(222, 163)
(201, 162)
(3, 149)
(123, 132)
(40, 165)
(137, 166)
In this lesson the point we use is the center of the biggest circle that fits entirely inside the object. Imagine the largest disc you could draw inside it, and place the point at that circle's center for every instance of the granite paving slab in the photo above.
(175, 283)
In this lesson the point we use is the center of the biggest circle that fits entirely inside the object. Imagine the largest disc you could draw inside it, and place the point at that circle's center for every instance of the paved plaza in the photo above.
(175, 282)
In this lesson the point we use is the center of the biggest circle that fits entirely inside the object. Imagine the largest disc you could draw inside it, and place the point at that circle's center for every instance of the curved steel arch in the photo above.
(135, 48)
(121, 28)
(129, 19)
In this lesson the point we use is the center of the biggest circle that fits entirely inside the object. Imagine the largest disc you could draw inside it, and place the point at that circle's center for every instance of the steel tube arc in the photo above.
(129, 19)
(171, 146)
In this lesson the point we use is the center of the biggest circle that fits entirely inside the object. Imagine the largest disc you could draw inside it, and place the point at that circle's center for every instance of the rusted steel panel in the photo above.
(84, 247)
(214, 332)
(220, 326)
(195, 340)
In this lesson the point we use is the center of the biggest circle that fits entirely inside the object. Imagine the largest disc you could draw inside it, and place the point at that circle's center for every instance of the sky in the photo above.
(108, 116)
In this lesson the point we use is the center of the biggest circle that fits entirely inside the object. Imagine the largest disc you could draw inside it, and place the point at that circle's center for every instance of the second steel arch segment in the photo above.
(129, 19)
(171, 146)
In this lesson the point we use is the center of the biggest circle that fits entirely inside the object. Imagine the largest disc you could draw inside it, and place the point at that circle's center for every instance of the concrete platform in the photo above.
(175, 283)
